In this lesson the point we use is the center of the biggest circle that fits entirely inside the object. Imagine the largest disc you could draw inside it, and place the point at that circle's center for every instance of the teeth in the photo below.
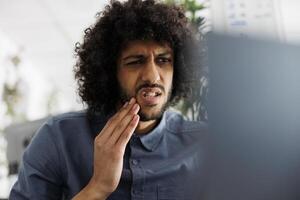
(151, 94)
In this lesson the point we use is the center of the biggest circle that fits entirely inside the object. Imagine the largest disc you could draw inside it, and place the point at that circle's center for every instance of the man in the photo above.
(132, 65)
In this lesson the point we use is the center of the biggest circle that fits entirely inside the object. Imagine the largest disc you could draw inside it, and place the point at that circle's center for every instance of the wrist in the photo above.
(96, 191)
(92, 192)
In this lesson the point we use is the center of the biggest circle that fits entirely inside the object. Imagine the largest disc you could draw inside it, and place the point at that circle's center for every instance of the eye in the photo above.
(135, 62)
(163, 60)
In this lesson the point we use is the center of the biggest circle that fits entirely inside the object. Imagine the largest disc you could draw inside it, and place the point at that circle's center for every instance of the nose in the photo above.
(150, 72)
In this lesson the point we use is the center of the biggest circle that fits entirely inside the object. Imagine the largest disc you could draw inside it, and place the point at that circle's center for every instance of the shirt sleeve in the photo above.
(40, 174)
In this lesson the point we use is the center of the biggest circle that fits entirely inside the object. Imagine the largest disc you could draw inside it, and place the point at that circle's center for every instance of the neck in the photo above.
(145, 126)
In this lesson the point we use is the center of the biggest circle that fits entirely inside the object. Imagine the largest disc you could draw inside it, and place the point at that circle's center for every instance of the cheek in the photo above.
(169, 80)
(127, 81)
(122, 77)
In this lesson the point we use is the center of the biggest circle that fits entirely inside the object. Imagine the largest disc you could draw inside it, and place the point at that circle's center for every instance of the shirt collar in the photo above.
(151, 140)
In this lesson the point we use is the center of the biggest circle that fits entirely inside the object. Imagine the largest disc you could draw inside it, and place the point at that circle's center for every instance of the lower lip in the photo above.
(149, 100)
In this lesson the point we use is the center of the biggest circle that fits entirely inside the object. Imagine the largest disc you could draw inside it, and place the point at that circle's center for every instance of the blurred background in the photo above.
(37, 40)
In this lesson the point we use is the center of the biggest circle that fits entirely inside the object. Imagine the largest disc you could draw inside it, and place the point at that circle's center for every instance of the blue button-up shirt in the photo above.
(163, 164)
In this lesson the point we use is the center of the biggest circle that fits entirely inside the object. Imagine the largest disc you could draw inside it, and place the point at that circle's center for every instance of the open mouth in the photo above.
(151, 94)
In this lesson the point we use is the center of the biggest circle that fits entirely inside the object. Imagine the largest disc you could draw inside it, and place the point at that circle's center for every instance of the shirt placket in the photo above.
(137, 187)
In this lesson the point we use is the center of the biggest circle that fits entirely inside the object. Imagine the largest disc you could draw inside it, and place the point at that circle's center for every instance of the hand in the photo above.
(109, 149)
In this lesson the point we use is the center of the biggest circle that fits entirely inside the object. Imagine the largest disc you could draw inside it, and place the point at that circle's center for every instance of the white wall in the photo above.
(44, 32)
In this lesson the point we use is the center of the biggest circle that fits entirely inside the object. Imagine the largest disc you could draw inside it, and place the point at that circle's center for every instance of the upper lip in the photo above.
(150, 88)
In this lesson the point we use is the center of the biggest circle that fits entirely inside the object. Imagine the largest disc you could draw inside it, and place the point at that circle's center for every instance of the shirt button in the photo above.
(134, 162)
(135, 192)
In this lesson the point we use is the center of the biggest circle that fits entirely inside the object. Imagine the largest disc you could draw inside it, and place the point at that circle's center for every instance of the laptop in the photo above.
(254, 120)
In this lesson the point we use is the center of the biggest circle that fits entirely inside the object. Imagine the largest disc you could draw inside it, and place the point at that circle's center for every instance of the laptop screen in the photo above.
(254, 119)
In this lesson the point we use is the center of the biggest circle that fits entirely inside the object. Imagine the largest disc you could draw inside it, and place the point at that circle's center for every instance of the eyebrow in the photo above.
(139, 56)
(165, 53)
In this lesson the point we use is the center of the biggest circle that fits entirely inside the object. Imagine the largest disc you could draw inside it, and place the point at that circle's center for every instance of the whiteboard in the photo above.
(272, 19)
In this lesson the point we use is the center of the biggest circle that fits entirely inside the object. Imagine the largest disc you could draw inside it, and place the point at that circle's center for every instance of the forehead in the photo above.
(145, 47)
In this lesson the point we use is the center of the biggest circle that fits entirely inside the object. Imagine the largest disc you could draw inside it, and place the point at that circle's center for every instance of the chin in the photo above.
(148, 115)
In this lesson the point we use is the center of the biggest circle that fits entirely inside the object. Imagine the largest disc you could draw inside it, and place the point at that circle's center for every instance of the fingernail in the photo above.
(131, 101)
(125, 104)
(135, 107)
(135, 117)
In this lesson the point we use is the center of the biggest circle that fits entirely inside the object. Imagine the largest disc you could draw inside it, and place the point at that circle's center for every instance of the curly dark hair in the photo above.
(120, 22)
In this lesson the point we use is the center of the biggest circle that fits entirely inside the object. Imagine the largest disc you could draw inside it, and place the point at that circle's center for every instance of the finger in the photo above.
(114, 120)
(127, 133)
(123, 124)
